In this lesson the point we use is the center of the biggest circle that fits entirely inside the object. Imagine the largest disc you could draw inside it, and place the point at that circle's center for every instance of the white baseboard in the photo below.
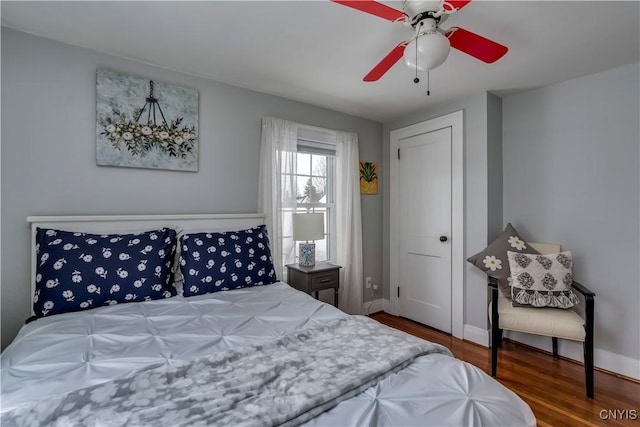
(371, 307)
(603, 359)
(613, 362)
(476, 335)
(375, 306)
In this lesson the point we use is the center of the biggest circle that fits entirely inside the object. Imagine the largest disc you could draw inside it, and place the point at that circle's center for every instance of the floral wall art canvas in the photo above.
(144, 123)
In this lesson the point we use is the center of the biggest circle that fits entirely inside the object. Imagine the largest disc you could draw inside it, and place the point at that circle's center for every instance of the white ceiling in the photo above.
(318, 51)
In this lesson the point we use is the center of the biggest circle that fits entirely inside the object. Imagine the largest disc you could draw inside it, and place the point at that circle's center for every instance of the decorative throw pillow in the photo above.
(542, 280)
(212, 262)
(493, 259)
(78, 271)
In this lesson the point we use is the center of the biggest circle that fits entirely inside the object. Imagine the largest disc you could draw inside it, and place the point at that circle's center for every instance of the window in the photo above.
(292, 155)
(315, 190)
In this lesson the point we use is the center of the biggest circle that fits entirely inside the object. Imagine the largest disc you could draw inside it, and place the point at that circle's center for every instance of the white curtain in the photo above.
(276, 185)
(348, 222)
(277, 198)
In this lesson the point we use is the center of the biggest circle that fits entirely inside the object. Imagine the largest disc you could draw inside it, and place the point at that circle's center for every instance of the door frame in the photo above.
(455, 121)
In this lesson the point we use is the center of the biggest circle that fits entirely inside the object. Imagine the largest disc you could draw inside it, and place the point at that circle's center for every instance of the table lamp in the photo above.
(308, 226)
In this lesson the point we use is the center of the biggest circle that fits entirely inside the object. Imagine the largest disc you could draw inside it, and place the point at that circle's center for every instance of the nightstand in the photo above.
(323, 275)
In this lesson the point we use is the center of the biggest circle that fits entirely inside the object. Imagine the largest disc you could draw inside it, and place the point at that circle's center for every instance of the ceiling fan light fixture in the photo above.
(432, 50)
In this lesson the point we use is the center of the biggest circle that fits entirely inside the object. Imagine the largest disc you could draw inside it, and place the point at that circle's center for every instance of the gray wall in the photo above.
(476, 214)
(494, 167)
(49, 166)
(572, 175)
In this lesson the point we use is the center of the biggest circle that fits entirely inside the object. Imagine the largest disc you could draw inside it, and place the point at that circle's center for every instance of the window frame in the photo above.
(318, 145)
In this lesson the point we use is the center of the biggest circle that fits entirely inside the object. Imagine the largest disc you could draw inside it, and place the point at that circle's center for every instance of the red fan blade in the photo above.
(387, 62)
(477, 46)
(374, 8)
(457, 4)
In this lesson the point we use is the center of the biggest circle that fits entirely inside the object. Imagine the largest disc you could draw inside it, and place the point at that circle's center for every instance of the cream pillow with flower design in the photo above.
(493, 259)
(542, 280)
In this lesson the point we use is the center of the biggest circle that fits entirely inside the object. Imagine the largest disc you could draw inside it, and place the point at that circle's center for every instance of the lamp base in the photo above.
(307, 254)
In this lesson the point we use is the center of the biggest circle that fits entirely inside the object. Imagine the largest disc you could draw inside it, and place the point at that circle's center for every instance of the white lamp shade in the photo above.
(433, 49)
(308, 226)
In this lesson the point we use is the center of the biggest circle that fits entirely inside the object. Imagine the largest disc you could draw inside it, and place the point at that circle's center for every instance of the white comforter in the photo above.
(66, 352)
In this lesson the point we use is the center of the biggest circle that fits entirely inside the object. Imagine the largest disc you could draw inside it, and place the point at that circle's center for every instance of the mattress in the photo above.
(56, 355)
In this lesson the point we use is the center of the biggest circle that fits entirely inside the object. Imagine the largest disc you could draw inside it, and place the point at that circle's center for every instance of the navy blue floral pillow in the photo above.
(78, 271)
(212, 262)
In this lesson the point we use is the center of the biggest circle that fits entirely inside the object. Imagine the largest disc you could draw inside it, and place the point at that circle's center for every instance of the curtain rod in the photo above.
(333, 132)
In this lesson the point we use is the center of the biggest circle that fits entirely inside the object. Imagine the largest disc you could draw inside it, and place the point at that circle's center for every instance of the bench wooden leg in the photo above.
(588, 366)
(496, 333)
(588, 346)
(494, 352)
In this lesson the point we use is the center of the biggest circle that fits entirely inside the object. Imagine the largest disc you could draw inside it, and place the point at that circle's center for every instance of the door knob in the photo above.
(443, 238)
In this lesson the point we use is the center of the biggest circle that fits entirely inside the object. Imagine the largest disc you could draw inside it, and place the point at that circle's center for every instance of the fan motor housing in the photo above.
(417, 11)
(412, 7)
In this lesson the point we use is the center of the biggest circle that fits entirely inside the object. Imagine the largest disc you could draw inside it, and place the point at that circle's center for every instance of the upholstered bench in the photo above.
(553, 322)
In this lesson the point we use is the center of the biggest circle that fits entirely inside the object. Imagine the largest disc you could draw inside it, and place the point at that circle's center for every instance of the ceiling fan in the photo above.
(429, 46)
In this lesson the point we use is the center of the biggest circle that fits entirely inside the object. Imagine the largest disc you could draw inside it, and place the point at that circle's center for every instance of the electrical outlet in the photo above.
(367, 282)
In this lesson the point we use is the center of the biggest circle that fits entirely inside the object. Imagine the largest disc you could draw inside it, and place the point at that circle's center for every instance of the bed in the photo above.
(256, 354)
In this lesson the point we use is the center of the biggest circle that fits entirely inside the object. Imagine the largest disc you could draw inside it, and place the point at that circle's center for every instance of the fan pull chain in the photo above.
(428, 92)
(416, 80)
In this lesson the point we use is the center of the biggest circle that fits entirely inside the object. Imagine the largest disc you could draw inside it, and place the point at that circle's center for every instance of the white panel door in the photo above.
(425, 228)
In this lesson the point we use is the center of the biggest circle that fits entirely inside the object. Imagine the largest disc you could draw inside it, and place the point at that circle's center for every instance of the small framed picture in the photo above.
(368, 178)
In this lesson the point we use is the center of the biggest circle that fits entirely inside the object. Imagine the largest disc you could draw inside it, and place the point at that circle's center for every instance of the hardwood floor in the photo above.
(554, 389)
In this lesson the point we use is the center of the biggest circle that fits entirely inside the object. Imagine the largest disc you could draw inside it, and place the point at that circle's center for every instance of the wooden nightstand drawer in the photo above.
(324, 280)
(311, 280)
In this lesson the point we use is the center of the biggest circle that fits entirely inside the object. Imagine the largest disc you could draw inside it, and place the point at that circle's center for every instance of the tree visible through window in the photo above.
(314, 179)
